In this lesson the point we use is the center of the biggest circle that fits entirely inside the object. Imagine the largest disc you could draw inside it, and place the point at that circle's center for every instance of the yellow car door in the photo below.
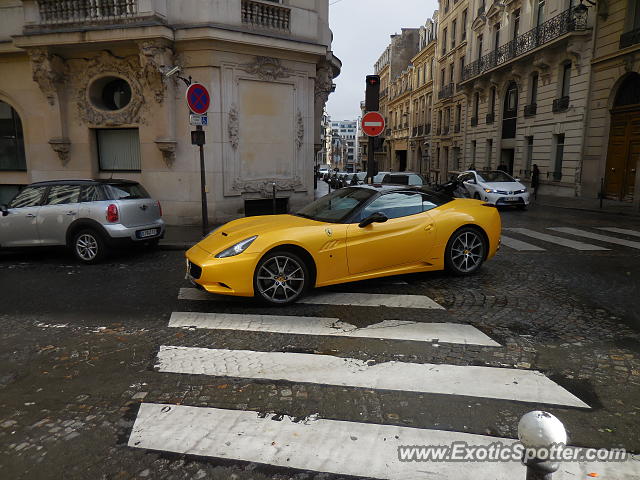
(405, 238)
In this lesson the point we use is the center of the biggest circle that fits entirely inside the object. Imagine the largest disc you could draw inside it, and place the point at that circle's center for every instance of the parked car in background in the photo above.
(495, 187)
(87, 216)
(404, 178)
(377, 179)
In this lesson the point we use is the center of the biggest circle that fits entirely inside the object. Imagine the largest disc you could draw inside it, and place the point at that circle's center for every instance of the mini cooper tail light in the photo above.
(112, 213)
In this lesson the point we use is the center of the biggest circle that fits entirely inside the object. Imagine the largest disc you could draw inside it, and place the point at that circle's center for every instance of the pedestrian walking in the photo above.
(535, 181)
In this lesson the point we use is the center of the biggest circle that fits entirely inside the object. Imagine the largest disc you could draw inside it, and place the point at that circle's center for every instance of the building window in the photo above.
(110, 93)
(454, 26)
(476, 104)
(516, 24)
(452, 69)
(493, 101)
(12, 156)
(442, 78)
(464, 25)
(489, 153)
(473, 155)
(118, 149)
(461, 68)
(496, 36)
(540, 13)
(444, 41)
(558, 142)
(566, 79)
(480, 39)
(533, 97)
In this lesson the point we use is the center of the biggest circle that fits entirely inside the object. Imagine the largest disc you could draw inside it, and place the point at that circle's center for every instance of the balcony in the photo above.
(630, 38)
(263, 16)
(490, 118)
(530, 110)
(548, 31)
(446, 91)
(55, 12)
(560, 104)
(474, 121)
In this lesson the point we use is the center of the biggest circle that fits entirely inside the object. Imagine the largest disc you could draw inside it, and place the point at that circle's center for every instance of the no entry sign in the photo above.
(198, 98)
(373, 124)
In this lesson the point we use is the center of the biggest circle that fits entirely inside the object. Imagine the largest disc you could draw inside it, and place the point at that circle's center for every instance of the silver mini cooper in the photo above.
(88, 216)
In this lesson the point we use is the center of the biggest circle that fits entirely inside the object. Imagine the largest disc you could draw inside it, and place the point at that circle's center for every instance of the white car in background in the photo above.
(495, 187)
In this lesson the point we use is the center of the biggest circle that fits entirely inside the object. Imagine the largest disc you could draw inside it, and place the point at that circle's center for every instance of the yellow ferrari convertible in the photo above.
(354, 233)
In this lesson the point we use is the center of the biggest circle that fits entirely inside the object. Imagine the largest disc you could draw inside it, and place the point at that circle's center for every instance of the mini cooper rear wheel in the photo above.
(280, 278)
(89, 246)
(465, 252)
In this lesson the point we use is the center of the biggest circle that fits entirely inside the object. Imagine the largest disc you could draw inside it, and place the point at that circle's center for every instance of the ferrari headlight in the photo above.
(490, 190)
(237, 249)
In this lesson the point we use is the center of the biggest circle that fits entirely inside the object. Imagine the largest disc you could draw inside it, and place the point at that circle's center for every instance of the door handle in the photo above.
(30, 215)
(71, 213)
(428, 227)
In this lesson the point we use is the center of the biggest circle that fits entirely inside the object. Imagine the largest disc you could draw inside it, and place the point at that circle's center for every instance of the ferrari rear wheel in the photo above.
(465, 251)
(280, 278)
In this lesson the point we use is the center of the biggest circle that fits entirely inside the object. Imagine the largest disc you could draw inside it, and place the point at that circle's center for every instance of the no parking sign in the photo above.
(198, 98)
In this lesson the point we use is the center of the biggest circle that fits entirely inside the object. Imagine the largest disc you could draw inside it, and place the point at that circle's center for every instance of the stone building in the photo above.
(347, 130)
(82, 94)
(527, 85)
(391, 65)
(422, 98)
(612, 150)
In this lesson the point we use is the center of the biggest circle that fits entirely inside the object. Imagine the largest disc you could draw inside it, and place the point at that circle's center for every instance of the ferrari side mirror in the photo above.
(377, 217)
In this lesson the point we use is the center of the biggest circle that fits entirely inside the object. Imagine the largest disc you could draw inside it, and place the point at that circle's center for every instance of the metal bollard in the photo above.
(540, 432)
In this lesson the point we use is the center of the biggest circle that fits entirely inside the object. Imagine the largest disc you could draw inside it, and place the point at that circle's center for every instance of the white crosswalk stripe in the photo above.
(623, 231)
(332, 446)
(596, 236)
(337, 447)
(487, 382)
(565, 242)
(388, 329)
(520, 245)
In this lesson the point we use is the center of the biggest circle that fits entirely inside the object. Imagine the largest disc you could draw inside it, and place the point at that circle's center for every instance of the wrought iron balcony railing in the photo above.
(530, 110)
(630, 38)
(56, 12)
(269, 17)
(446, 91)
(560, 104)
(490, 118)
(534, 38)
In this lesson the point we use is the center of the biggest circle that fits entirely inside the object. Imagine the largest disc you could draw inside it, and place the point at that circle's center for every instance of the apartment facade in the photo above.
(83, 94)
(347, 130)
(612, 149)
(450, 106)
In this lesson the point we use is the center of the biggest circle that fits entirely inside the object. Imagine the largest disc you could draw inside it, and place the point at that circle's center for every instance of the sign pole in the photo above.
(370, 160)
(203, 189)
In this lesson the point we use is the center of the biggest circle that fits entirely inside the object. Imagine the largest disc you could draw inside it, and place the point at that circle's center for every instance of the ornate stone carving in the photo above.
(265, 186)
(62, 147)
(105, 64)
(154, 55)
(48, 72)
(575, 54)
(233, 127)
(168, 149)
(299, 131)
(266, 68)
(324, 82)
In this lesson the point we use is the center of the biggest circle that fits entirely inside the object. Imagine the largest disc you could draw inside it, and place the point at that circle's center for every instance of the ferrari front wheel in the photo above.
(280, 278)
(465, 252)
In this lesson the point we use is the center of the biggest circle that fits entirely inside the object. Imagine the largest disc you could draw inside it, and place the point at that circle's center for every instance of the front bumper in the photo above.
(500, 200)
(226, 276)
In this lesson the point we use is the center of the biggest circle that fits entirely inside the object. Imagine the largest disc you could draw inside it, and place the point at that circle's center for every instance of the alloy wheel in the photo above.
(467, 251)
(87, 247)
(281, 279)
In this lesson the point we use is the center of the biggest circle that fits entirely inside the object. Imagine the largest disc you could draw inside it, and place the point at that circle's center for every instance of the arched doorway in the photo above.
(509, 124)
(12, 155)
(623, 153)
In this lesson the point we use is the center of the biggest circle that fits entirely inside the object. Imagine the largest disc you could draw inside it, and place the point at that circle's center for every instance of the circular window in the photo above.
(110, 93)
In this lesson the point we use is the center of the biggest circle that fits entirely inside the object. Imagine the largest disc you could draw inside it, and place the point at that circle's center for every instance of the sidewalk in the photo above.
(588, 205)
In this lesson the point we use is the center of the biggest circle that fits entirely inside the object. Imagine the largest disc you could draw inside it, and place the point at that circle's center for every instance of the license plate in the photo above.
(512, 199)
(152, 232)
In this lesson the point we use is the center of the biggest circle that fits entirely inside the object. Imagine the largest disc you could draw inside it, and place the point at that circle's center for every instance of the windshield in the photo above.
(336, 206)
(497, 176)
